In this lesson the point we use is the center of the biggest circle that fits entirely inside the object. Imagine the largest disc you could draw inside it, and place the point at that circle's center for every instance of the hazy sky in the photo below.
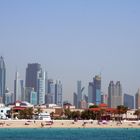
(73, 40)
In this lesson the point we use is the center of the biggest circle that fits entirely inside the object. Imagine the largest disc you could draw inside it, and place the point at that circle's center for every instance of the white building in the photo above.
(4, 112)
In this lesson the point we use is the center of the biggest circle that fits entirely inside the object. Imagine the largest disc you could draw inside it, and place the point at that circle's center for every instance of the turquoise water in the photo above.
(69, 134)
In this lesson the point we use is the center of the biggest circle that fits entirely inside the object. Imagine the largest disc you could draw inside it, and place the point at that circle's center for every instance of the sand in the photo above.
(66, 124)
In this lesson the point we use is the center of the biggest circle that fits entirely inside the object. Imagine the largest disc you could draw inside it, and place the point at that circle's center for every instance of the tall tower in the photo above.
(79, 93)
(58, 93)
(50, 98)
(111, 94)
(2, 79)
(41, 87)
(115, 94)
(18, 88)
(97, 89)
(119, 96)
(137, 99)
(90, 92)
(31, 75)
(75, 100)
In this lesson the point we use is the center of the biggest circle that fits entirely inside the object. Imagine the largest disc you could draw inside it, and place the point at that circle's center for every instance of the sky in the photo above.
(73, 40)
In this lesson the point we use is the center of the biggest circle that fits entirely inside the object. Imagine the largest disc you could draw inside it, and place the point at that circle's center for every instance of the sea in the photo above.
(69, 134)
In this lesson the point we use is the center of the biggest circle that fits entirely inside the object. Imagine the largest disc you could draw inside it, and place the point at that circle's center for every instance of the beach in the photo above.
(67, 124)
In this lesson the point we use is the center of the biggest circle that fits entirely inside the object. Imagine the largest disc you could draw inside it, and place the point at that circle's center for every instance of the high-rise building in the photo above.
(18, 88)
(80, 90)
(28, 91)
(79, 94)
(137, 99)
(115, 97)
(90, 92)
(128, 101)
(41, 87)
(94, 90)
(97, 89)
(31, 75)
(75, 100)
(2, 79)
(33, 98)
(9, 97)
(104, 98)
(50, 98)
(58, 93)
(111, 94)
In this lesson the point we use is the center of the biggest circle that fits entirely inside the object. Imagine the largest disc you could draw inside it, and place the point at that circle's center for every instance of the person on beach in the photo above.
(42, 125)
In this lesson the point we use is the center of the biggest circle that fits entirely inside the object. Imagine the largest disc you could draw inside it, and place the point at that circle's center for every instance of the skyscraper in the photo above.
(94, 91)
(111, 94)
(75, 100)
(115, 94)
(58, 93)
(90, 92)
(128, 101)
(79, 93)
(41, 87)
(18, 88)
(97, 89)
(2, 79)
(50, 98)
(31, 75)
(137, 99)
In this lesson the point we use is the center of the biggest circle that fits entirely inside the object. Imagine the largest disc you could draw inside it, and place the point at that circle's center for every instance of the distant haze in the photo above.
(73, 40)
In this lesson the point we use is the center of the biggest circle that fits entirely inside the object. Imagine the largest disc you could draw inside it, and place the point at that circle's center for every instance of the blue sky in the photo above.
(73, 40)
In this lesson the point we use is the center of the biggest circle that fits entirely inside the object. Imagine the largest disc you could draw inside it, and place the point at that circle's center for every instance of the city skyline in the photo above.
(73, 41)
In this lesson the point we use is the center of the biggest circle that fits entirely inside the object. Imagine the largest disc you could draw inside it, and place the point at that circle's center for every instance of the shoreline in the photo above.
(67, 124)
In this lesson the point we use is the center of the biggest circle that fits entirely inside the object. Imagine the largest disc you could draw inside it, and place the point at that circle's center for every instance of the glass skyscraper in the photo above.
(58, 93)
(2, 79)
(97, 89)
(94, 91)
(41, 87)
(129, 101)
(115, 94)
(31, 75)
(79, 93)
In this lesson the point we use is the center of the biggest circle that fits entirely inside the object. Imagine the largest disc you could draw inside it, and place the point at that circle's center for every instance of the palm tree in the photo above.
(68, 113)
(38, 111)
(26, 113)
(121, 110)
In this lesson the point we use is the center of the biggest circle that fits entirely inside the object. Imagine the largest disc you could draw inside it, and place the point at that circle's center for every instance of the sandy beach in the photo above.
(66, 124)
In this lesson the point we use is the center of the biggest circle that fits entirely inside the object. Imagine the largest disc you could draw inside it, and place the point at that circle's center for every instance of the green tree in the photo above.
(38, 111)
(93, 106)
(121, 109)
(88, 114)
(26, 113)
(68, 113)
